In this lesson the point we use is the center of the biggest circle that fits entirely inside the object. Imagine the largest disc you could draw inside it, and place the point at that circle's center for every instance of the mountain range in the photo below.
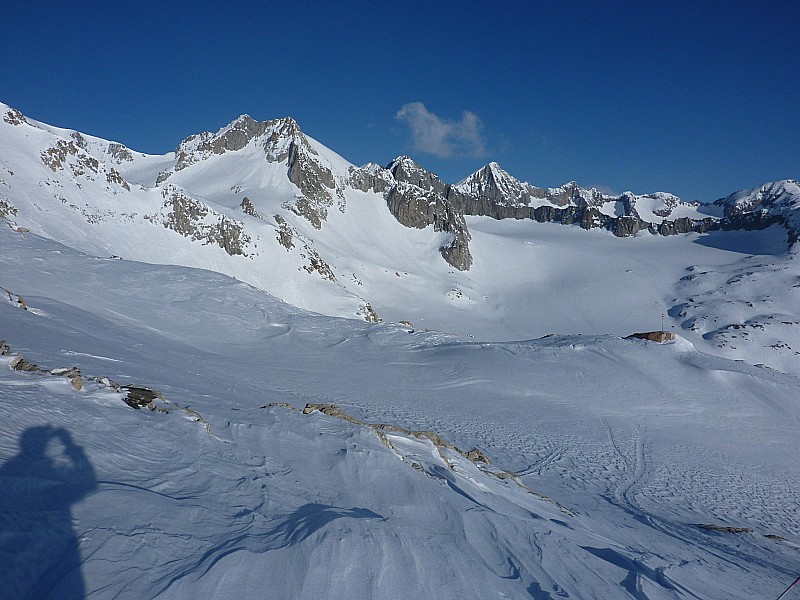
(250, 369)
(271, 206)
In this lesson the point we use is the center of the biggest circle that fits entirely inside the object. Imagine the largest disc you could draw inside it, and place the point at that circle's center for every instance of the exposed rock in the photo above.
(415, 207)
(476, 455)
(368, 313)
(7, 209)
(234, 137)
(119, 153)
(331, 410)
(627, 226)
(14, 117)
(18, 363)
(407, 170)
(315, 263)
(371, 177)
(432, 436)
(284, 233)
(281, 405)
(106, 382)
(314, 180)
(193, 219)
(592, 218)
(723, 528)
(5, 349)
(248, 208)
(311, 211)
(140, 396)
(759, 208)
(686, 225)
(56, 157)
(73, 374)
(653, 336)
(113, 176)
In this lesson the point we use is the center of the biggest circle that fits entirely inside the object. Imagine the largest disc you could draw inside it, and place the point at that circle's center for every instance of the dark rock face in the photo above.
(285, 236)
(140, 396)
(193, 219)
(315, 181)
(406, 170)
(372, 178)
(248, 208)
(628, 226)
(414, 207)
(653, 336)
(14, 117)
(119, 153)
(18, 363)
(369, 314)
(7, 209)
(237, 135)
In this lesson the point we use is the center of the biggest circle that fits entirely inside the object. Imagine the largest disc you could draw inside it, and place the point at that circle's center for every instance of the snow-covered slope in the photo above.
(619, 468)
(489, 257)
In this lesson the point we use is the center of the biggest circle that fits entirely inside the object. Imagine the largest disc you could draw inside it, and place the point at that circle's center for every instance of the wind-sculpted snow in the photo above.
(652, 455)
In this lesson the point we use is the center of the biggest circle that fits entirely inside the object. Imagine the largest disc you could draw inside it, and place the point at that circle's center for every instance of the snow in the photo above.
(606, 453)
(632, 443)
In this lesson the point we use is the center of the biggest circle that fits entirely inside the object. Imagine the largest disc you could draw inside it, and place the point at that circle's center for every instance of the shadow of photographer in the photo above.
(39, 554)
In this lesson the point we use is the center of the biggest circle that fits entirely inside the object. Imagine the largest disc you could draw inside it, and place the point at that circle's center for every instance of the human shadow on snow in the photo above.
(39, 555)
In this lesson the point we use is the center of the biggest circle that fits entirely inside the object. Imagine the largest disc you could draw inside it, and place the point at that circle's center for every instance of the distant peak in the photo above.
(401, 160)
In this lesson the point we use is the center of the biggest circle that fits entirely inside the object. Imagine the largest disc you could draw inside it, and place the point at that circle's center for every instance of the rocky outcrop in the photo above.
(446, 450)
(285, 236)
(316, 264)
(70, 155)
(371, 177)
(403, 169)
(139, 397)
(368, 314)
(248, 208)
(415, 207)
(193, 219)
(231, 138)
(113, 176)
(7, 209)
(653, 336)
(56, 157)
(14, 117)
(119, 153)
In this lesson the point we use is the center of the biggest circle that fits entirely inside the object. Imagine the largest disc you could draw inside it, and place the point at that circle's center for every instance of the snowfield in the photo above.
(197, 400)
(606, 453)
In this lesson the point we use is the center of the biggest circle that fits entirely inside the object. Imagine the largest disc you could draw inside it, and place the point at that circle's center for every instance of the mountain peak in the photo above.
(406, 169)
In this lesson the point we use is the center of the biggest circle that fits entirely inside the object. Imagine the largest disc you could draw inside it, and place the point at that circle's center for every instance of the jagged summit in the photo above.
(406, 169)
(498, 186)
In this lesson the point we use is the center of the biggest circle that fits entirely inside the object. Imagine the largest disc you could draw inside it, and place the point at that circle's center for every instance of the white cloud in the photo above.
(435, 135)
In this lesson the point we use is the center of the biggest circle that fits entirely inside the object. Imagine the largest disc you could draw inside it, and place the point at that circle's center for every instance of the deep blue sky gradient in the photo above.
(696, 98)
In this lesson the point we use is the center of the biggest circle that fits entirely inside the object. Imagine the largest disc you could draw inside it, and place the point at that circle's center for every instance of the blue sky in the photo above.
(696, 98)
